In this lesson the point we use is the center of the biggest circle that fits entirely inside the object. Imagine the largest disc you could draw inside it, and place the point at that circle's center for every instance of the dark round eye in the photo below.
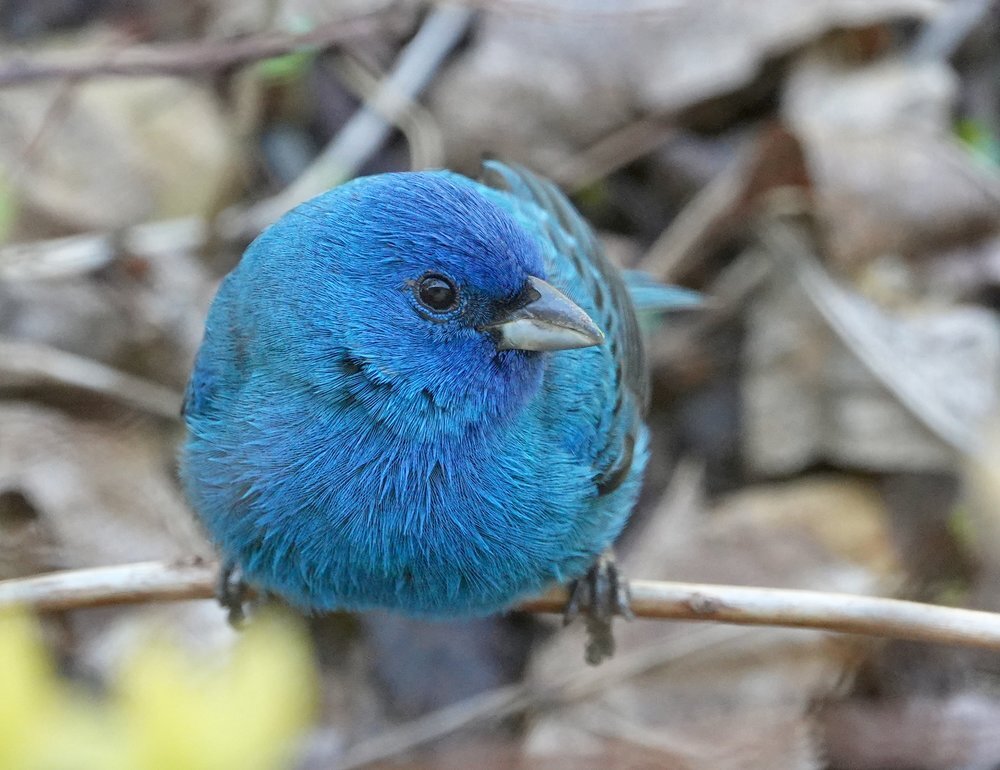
(437, 293)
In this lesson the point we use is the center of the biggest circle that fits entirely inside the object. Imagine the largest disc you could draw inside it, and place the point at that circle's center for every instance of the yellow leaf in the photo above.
(29, 691)
(239, 714)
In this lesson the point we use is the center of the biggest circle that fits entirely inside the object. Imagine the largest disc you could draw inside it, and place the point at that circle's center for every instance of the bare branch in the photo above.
(104, 586)
(608, 154)
(72, 255)
(29, 363)
(846, 613)
(186, 58)
(367, 129)
(741, 605)
(594, 12)
(551, 690)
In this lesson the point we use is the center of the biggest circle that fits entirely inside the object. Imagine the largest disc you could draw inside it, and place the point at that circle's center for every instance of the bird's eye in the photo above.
(437, 293)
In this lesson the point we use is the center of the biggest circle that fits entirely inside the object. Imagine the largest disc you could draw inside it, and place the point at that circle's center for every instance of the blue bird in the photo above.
(423, 393)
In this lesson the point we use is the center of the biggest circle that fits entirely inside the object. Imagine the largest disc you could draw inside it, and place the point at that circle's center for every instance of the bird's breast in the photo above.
(338, 513)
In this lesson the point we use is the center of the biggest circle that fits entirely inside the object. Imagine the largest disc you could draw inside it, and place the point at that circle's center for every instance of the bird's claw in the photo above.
(601, 594)
(232, 592)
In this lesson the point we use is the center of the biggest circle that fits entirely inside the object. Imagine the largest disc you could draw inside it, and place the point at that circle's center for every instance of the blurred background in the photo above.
(827, 171)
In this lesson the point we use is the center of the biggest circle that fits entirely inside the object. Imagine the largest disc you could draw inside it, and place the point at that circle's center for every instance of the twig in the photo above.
(104, 586)
(596, 12)
(704, 216)
(415, 122)
(554, 690)
(772, 160)
(608, 154)
(25, 362)
(741, 605)
(76, 254)
(846, 613)
(187, 58)
(368, 128)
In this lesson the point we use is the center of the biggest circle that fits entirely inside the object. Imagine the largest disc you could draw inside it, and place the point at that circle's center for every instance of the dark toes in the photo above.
(579, 600)
(601, 594)
(600, 641)
(232, 592)
(619, 594)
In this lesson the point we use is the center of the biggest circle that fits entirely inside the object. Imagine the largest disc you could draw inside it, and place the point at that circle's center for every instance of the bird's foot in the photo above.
(232, 592)
(602, 594)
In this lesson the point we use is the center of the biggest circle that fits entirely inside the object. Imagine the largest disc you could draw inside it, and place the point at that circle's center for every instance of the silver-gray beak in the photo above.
(544, 319)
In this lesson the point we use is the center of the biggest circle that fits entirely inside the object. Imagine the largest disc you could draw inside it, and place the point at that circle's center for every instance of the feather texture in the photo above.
(350, 448)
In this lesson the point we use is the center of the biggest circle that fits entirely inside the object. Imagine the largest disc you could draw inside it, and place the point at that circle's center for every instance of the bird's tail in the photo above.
(650, 296)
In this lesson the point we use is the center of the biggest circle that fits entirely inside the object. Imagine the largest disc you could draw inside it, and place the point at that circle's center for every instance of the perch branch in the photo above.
(104, 586)
(741, 605)
(185, 58)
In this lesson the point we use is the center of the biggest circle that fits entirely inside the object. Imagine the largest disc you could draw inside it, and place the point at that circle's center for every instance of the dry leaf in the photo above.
(885, 392)
(107, 153)
(888, 176)
(725, 697)
(565, 78)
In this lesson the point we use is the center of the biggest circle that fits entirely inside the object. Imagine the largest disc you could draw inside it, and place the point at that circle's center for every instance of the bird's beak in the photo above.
(543, 318)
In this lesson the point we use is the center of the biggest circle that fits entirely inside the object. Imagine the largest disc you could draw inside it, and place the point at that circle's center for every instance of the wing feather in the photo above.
(575, 241)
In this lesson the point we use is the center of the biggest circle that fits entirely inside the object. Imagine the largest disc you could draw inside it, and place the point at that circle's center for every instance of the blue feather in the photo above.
(650, 296)
(350, 447)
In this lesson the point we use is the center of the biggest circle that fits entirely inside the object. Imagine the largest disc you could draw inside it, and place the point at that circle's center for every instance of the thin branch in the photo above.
(548, 691)
(30, 363)
(186, 58)
(414, 121)
(367, 129)
(72, 255)
(608, 154)
(741, 605)
(105, 586)
(772, 160)
(698, 222)
(790, 608)
(594, 12)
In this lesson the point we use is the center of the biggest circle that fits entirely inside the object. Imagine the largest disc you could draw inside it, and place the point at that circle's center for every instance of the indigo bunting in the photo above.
(419, 392)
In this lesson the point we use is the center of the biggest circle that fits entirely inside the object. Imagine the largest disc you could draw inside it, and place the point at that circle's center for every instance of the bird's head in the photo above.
(419, 287)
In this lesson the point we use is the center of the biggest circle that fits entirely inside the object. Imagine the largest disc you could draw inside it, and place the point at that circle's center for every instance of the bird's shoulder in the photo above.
(579, 257)
(576, 260)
